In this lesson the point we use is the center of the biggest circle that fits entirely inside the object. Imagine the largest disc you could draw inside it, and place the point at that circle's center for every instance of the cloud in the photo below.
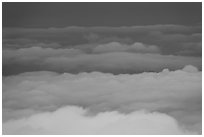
(175, 93)
(37, 53)
(75, 60)
(18, 43)
(118, 47)
(102, 80)
(120, 62)
(191, 48)
(73, 120)
(169, 38)
(43, 45)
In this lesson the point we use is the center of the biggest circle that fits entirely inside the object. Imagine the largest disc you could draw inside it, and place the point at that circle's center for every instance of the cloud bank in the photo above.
(117, 50)
(118, 47)
(102, 80)
(170, 39)
(175, 96)
(73, 120)
(111, 60)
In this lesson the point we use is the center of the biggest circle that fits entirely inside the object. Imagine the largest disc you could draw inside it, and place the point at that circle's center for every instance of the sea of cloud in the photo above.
(112, 58)
(170, 39)
(102, 80)
(43, 102)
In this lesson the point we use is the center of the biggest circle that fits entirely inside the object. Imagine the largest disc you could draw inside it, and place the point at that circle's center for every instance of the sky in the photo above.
(102, 68)
(43, 15)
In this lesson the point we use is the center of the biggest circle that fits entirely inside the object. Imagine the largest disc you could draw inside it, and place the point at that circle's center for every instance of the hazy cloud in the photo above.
(118, 47)
(73, 120)
(75, 60)
(176, 93)
(105, 75)
(168, 38)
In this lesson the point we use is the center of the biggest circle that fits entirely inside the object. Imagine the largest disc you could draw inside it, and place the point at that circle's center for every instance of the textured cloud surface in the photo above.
(117, 47)
(171, 39)
(75, 60)
(37, 96)
(128, 49)
(73, 120)
(102, 80)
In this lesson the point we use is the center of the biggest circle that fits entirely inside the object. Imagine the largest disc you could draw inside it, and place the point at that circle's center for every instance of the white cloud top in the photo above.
(37, 95)
(73, 120)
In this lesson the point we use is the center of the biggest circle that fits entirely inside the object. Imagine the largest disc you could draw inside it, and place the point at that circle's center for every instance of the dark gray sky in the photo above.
(100, 14)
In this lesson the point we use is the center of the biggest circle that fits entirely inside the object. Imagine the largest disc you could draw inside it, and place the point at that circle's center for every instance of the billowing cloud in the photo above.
(169, 38)
(118, 47)
(120, 62)
(36, 53)
(102, 80)
(37, 95)
(75, 60)
(192, 49)
(43, 45)
(74, 120)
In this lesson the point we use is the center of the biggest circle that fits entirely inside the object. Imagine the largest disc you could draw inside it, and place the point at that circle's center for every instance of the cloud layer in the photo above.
(118, 47)
(170, 39)
(106, 49)
(75, 60)
(175, 93)
(73, 120)
(102, 80)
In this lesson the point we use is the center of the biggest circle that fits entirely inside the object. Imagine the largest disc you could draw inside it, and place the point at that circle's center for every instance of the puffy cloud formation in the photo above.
(118, 47)
(62, 80)
(170, 39)
(36, 53)
(106, 49)
(75, 60)
(73, 120)
(191, 48)
(31, 102)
